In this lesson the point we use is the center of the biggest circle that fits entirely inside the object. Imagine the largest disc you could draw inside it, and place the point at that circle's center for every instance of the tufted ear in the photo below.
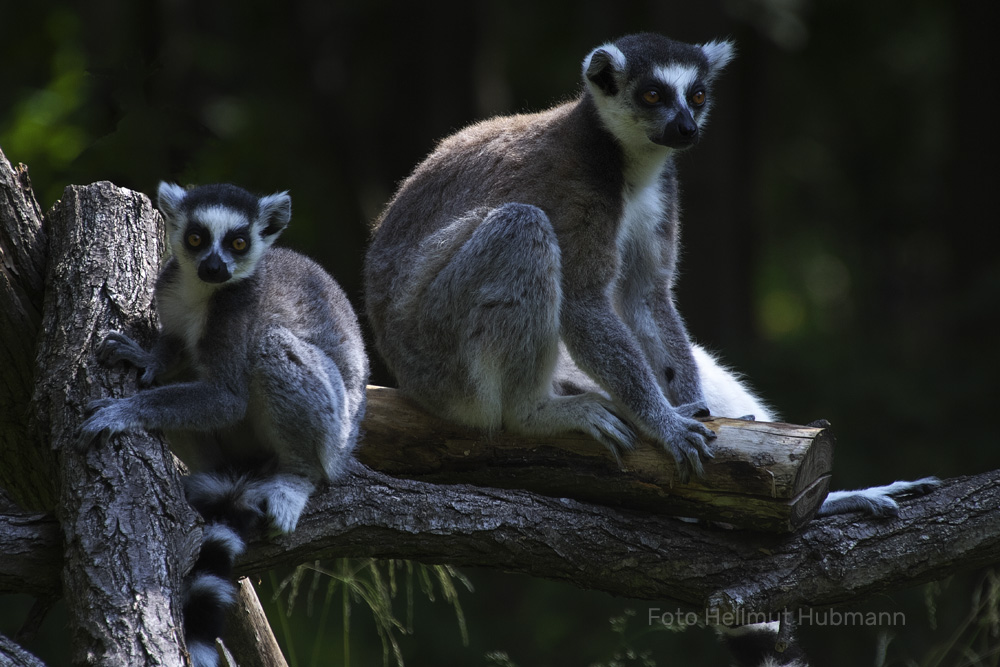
(168, 199)
(601, 67)
(718, 54)
(274, 213)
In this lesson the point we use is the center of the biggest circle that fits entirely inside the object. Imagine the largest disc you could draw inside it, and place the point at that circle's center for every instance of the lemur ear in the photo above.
(718, 54)
(168, 199)
(274, 213)
(601, 65)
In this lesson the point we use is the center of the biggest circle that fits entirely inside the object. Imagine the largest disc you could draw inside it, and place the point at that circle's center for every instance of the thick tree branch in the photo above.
(832, 561)
(13, 655)
(639, 555)
(31, 545)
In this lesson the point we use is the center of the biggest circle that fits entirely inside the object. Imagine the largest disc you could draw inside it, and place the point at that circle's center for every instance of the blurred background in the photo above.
(836, 216)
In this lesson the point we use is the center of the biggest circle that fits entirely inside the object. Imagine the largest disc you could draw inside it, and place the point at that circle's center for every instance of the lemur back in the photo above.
(262, 375)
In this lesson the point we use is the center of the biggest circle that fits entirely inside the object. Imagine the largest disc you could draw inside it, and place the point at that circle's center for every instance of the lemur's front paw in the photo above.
(106, 418)
(117, 348)
(687, 441)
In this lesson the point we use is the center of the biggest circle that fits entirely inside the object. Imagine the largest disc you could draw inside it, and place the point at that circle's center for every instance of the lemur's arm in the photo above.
(202, 405)
(677, 366)
(188, 406)
(606, 350)
(647, 306)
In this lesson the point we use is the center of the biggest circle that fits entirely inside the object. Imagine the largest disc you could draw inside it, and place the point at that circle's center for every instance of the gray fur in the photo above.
(524, 233)
(878, 501)
(266, 371)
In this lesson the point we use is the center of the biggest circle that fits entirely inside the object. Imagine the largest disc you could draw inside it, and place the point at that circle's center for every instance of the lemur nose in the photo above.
(213, 270)
(687, 129)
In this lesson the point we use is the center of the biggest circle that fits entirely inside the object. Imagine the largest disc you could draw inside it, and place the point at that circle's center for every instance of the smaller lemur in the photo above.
(261, 370)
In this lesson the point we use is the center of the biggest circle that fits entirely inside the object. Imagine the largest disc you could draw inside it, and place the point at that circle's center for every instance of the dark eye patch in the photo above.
(664, 93)
(239, 233)
(197, 236)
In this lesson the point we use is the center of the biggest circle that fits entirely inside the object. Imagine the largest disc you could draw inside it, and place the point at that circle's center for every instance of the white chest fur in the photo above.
(183, 309)
(642, 213)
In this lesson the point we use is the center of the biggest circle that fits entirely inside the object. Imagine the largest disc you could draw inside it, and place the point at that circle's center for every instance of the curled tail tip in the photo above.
(208, 597)
(877, 507)
(203, 654)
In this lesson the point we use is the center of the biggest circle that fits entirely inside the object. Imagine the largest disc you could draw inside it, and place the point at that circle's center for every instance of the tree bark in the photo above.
(13, 655)
(31, 545)
(639, 555)
(27, 467)
(248, 634)
(128, 533)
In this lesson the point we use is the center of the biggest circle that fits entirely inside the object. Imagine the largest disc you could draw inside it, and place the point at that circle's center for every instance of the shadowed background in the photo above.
(838, 216)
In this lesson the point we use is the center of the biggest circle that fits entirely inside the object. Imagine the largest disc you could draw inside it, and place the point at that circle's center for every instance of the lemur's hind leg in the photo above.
(298, 404)
(499, 296)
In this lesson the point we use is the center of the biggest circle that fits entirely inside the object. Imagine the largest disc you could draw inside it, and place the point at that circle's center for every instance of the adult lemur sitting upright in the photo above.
(262, 370)
(522, 276)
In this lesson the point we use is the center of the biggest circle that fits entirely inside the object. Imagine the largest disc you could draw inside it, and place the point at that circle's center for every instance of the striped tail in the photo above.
(222, 501)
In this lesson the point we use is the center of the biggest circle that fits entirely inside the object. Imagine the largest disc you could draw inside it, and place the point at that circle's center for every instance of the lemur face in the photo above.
(220, 232)
(668, 101)
(651, 91)
(217, 241)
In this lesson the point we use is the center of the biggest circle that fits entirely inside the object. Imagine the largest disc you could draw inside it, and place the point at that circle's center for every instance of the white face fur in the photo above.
(680, 90)
(219, 241)
(221, 233)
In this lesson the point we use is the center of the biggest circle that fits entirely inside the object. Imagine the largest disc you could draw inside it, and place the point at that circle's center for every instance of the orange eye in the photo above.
(194, 239)
(698, 98)
(239, 244)
(651, 97)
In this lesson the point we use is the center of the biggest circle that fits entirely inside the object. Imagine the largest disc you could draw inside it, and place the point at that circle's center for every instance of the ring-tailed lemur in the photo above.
(266, 373)
(524, 231)
(522, 276)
